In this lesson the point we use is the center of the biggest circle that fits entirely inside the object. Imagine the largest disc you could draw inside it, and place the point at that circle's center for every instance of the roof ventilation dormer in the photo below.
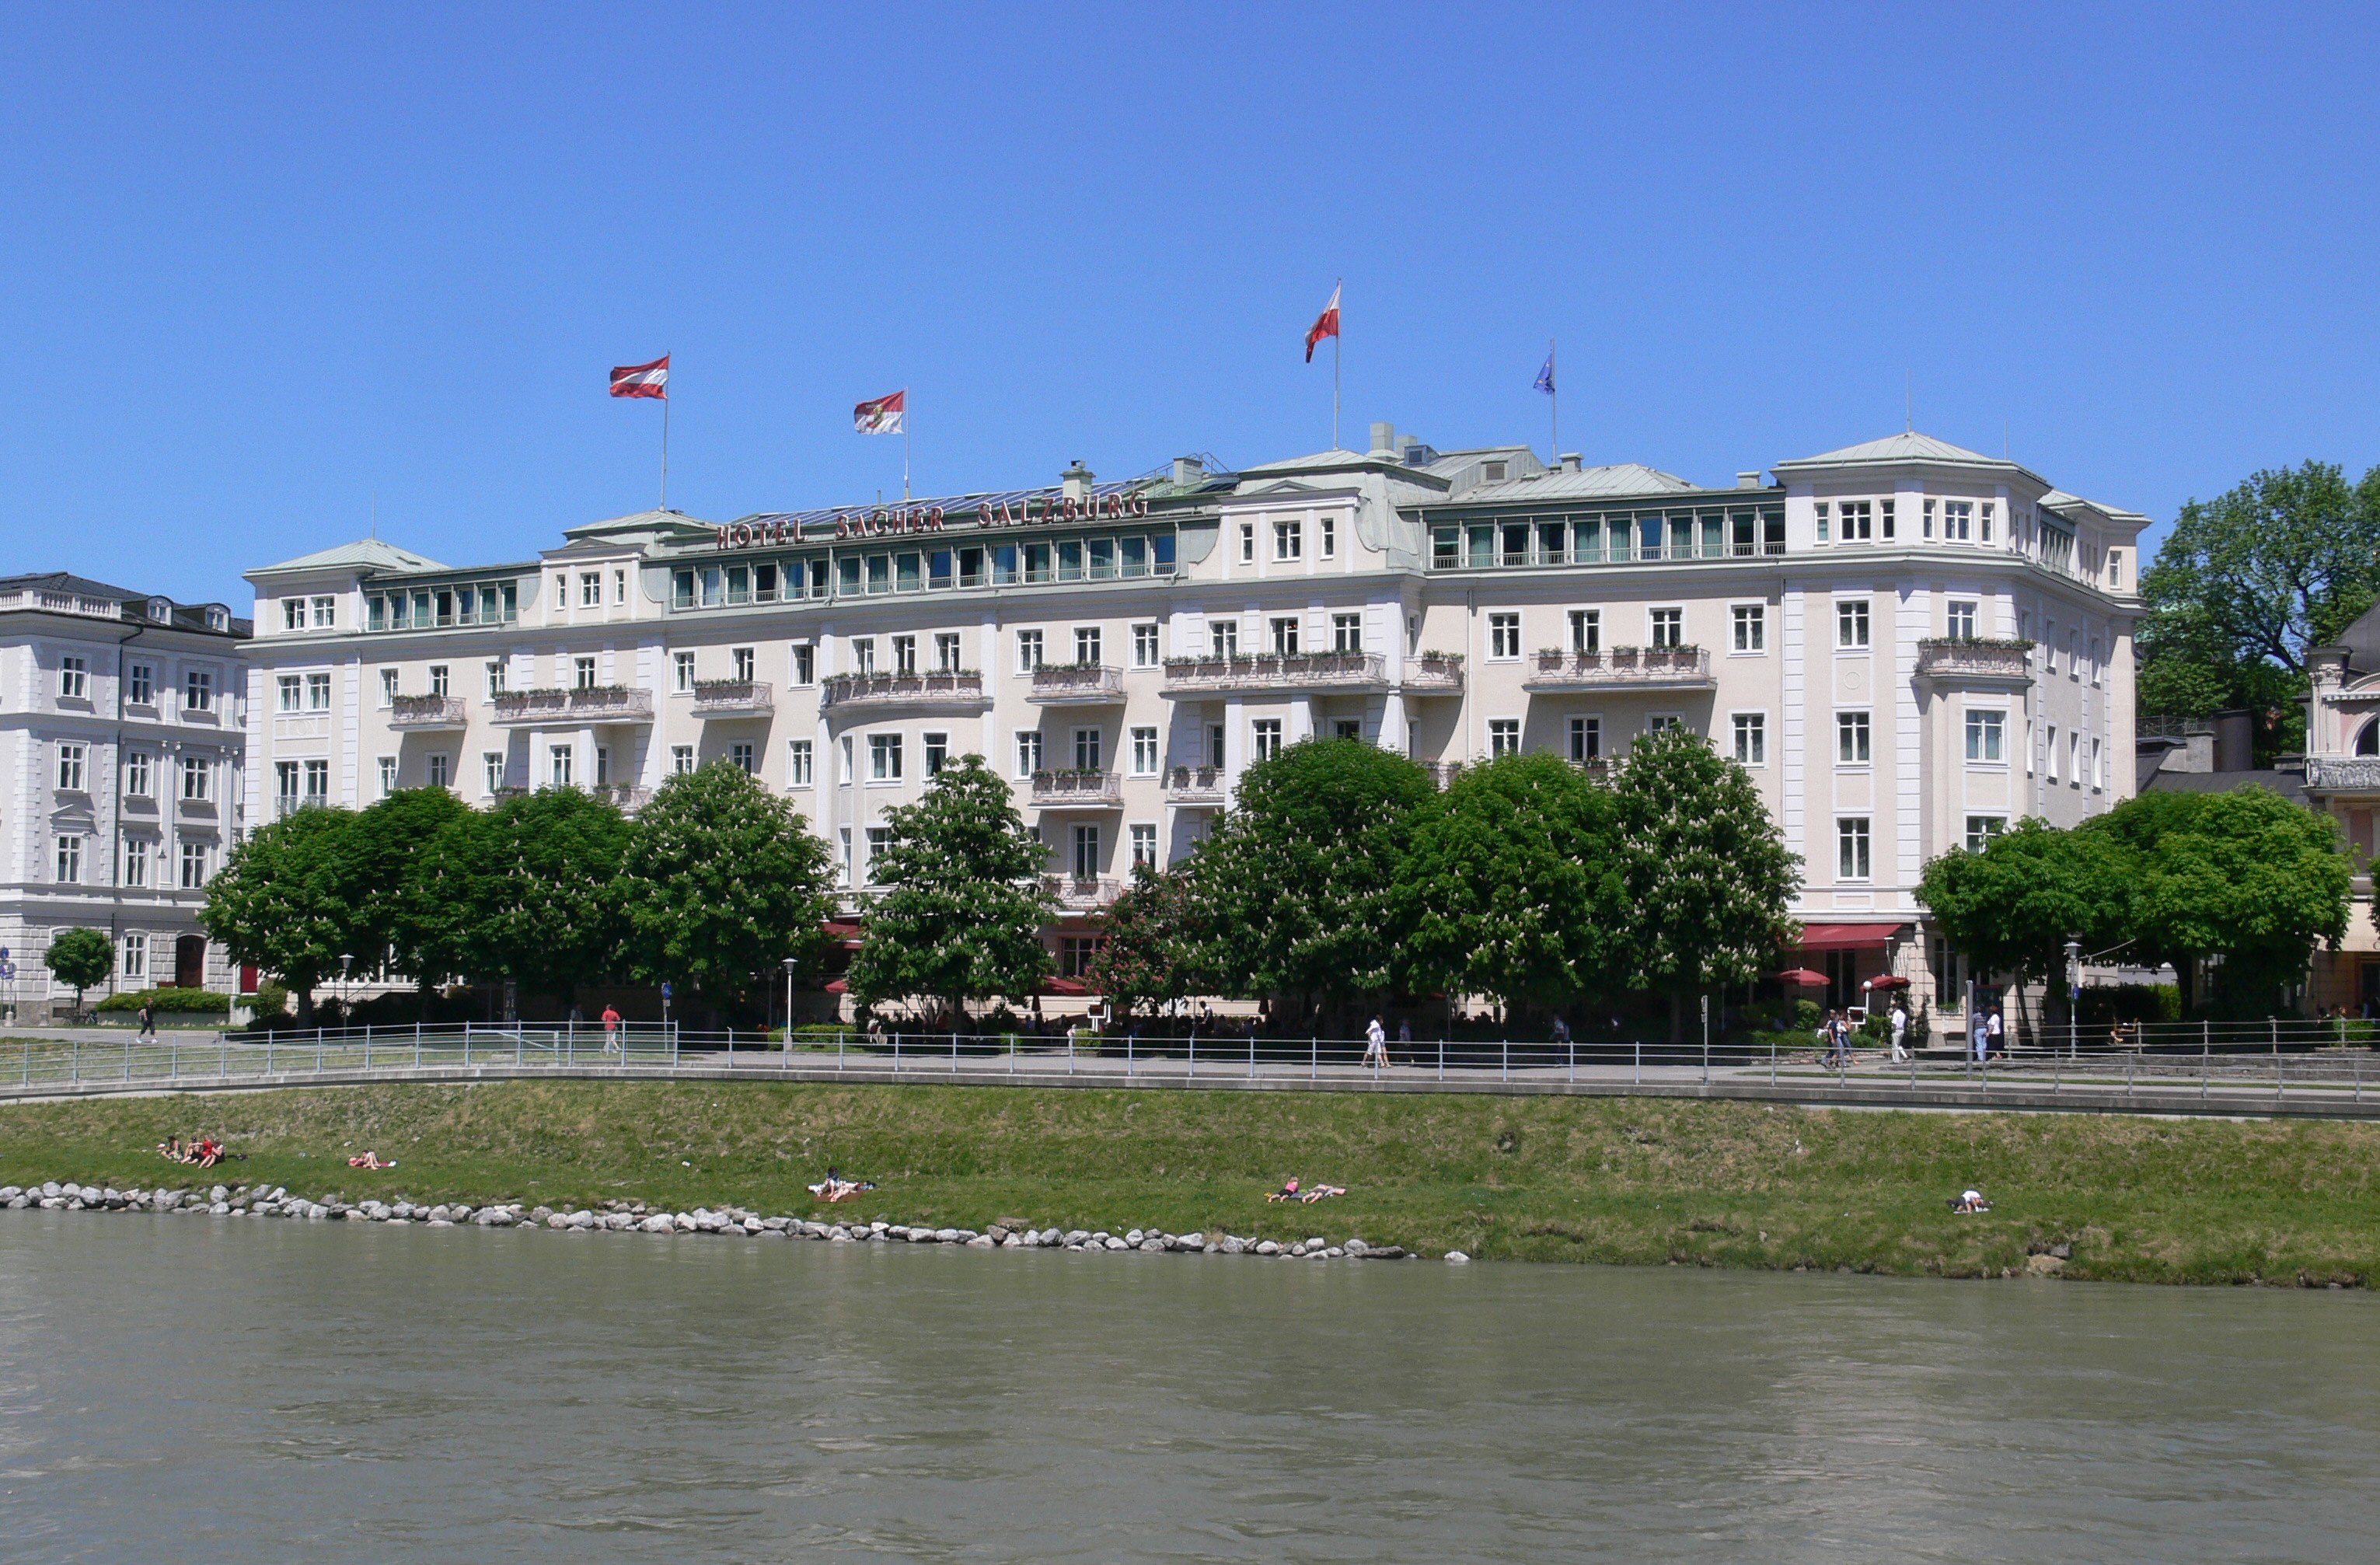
(1418, 454)
(1077, 481)
(1572, 461)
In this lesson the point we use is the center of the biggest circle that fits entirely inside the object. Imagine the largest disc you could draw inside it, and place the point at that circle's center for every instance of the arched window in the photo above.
(2368, 741)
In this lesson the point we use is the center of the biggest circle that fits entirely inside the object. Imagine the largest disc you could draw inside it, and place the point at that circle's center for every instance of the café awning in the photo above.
(1847, 937)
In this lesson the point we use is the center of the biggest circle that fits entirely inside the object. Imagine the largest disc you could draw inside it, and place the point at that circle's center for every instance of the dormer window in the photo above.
(1491, 472)
(160, 610)
(218, 620)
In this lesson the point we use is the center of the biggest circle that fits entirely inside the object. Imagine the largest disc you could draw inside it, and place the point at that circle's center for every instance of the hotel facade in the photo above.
(1907, 644)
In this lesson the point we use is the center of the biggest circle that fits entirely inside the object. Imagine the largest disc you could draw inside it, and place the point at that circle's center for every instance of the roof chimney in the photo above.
(1077, 481)
(2235, 740)
(1748, 479)
(1384, 440)
(1572, 461)
(1188, 471)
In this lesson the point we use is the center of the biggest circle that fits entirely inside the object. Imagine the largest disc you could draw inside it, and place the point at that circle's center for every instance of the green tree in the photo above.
(288, 900)
(411, 909)
(1515, 884)
(538, 879)
(2011, 907)
(962, 914)
(721, 880)
(1295, 893)
(2245, 583)
(1141, 960)
(79, 957)
(1708, 872)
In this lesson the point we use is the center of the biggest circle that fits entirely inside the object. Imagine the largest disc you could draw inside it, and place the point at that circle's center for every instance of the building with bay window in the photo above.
(1907, 643)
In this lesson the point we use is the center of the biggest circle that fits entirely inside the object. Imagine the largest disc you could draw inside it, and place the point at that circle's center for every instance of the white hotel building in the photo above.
(122, 735)
(1849, 629)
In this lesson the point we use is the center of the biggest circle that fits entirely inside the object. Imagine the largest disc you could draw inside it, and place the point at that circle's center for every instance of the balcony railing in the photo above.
(1195, 785)
(1434, 672)
(734, 698)
(1650, 668)
(961, 689)
(1097, 685)
(2342, 774)
(602, 704)
(1276, 672)
(1078, 790)
(425, 713)
(1442, 772)
(61, 603)
(1081, 896)
(2003, 661)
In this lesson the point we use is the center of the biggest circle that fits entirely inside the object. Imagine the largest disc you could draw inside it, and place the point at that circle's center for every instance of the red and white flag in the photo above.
(883, 415)
(642, 380)
(1325, 324)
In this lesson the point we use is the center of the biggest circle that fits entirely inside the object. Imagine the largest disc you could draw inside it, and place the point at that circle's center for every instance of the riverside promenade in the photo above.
(56, 1064)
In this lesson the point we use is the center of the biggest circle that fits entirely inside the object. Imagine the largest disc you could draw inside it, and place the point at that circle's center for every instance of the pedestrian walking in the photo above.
(611, 1031)
(1405, 1032)
(1998, 1044)
(1900, 1021)
(1376, 1044)
(1562, 1032)
(148, 1018)
(1981, 1042)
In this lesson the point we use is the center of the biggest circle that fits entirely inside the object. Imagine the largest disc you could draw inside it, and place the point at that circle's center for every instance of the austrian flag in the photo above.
(642, 380)
(884, 415)
(1325, 324)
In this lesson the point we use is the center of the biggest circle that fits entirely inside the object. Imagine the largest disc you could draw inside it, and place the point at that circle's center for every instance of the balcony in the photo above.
(1434, 672)
(629, 798)
(1092, 685)
(1077, 790)
(734, 698)
(598, 704)
(1293, 673)
(426, 714)
(1442, 772)
(1194, 786)
(2342, 774)
(1970, 662)
(859, 694)
(1081, 896)
(1622, 668)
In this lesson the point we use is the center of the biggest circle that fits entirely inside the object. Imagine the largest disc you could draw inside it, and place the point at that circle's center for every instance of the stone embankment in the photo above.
(635, 1217)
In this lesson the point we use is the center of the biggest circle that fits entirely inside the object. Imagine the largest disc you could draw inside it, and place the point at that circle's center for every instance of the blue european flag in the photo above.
(1545, 375)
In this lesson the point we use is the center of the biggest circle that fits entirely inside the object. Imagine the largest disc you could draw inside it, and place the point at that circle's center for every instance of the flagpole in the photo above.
(665, 402)
(1334, 390)
(1553, 400)
(905, 444)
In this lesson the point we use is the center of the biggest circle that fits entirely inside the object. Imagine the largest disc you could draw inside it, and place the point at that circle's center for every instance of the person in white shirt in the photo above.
(1899, 1032)
(1376, 1044)
(1998, 1044)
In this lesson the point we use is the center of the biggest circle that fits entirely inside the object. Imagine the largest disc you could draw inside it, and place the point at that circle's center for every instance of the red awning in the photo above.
(1847, 937)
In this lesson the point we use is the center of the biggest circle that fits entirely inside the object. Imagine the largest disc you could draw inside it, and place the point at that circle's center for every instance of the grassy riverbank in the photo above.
(1631, 1181)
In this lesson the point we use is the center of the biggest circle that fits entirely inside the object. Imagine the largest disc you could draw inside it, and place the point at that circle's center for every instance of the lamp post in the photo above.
(789, 1008)
(2073, 998)
(347, 988)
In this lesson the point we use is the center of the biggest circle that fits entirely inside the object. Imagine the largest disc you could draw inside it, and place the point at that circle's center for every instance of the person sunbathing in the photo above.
(1322, 1193)
(170, 1149)
(834, 1187)
(1970, 1202)
(1288, 1191)
(370, 1160)
(210, 1152)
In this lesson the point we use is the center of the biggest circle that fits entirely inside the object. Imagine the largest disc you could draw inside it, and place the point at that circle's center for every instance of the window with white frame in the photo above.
(2098, 771)
(1347, 727)
(2051, 752)
(1585, 740)
(1851, 847)
(74, 679)
(135, 774)
(1986, 734)
(1661, 722)
(441, 768)
(318, 782)
(134, 962)
(946, 652)
(1284, 634)
(73, 757)
(140, 685)
(292, 689)
(1752, 738)
(1215, 744)
(1028, 752)
(2074, 759)
(1087, 750)
(1143, 646)
(1029, 651)
(1884, 519)
(937, 752)
(326, 612)
(440, 680)
(293, 614)
(1962, 619)
(492, 772)
(561, 766)
(1224, 637)
(1144, 752)
(797, 762)
(136, 861)
(1854, 521)
(846, 855)
(1347, 632)
(69, 860)
(318, 693)
(885, 757)
(1503, 635)
(850, 774)
(1247, 542)
(197, 690)
(1850, 622)
(602, 766)
(1266, 732)
(1958, 521)
(619, 586)
(1330, 539)
(194, 865)
(744, 663)
(1086, 853)
(582, 673)
(591, 589)
(1668, 627)
(1586, 630)
(388, 691)
(741, 755)
(1981, 829)
(879, 838)
(1288, 539)
(1823, 534)
(494, 673)
(681, 759)
(1851, 739)
(1086, 644)
(1144, 838)
(198, 777)
(904, 655)
(1984, 523)
(1503, 737)
(1751, 627)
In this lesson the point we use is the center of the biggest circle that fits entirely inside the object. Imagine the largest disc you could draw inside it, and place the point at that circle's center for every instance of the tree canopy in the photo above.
(79, 957)
(964, 905)
(540, 877)
(290, 899)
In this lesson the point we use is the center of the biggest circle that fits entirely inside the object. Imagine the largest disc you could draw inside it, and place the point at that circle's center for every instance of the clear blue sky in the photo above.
(262, 264)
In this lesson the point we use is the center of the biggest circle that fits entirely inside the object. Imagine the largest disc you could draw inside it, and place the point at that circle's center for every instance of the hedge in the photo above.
(184, 1002)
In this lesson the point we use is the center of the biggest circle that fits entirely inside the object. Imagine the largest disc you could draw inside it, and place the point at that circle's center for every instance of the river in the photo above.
(194, 1389)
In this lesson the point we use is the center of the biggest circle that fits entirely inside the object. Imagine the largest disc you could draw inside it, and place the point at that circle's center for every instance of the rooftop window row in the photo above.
(865, 574)
(1608, 537)
(439, 608)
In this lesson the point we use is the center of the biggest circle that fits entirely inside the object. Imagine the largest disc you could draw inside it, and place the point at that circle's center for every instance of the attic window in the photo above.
(159, 610)
(216, 618)
(1491, 472)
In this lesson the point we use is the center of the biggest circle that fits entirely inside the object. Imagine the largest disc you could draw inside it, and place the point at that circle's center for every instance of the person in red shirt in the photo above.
(610, 1029)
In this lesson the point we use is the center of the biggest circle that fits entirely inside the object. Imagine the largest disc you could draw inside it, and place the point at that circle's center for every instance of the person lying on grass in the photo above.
(370, 1160)
(1970, 1202)
(1291, 1190)
(834, 1187)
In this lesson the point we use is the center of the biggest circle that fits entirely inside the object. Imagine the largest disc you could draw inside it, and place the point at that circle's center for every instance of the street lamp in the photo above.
(347, 988)
(2073, 998)
(789, 1007)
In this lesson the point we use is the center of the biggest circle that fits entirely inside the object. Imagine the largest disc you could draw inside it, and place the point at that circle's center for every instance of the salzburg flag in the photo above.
(882, 416)
(642, 380)
(1325, 324)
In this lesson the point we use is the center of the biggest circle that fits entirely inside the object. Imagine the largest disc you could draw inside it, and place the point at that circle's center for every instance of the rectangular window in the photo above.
(740, 755)
(135, 963)
(1347, 727)
(1752, 738)
(135, 774)
(293, 614)
(1247, 542)
(885, 757)
(1927, 525)
(1266, 731)
(1087, 750)
(442, 772)
(1986, 736)
(438, 679)
(1086, 853)
(1503, 635)
(2074, 759)
(318, 693)
(937, 753)
(1668, 627)
(1144, 838)
(1883, 518)
(1285, 635)
(326, 612)
(1029, 651)
(1851, 847)
(1981, 829)
(198, 691)
(682, 664)
(71, 760)
(1751, 627)
(1288, 540)
(497, 681)
(561, 766)
(388, 687)
(74, 679)
(194, 865)
(904, 655)
(136, 862)
(1854, 521)
(849, 775)
(1984, 525)
(879, 838)
(1851, 739)
(140, 685)
(1225, 636)
(292, 689)
(1585, 740)
(1028, 752)
(1347, 632)
(2051, 750)
(582, 673)
(1850, 622)
(492, 772)
(1144, 752)
(946, 652)
(1962, 621)
(70, 861)
(619, 587)
(846, 855)
(1143, 646)
(387, 775)
(1822, 521)
(318, 782)
(1215, 745)
(1037, 562)
(591, 590)
(863, 654)
(1958, 520)
(2098, 775)
(1329, 525)
(681, 759)
(198, 776)
(1503, 736)
(1086, 644)
(1586, 630)
(805, 664)
(744, 663)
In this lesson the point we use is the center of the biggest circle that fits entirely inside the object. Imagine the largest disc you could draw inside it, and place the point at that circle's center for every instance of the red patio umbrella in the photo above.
(1064, 986)
(1802, 977)
(1886, 981)
(838, 987)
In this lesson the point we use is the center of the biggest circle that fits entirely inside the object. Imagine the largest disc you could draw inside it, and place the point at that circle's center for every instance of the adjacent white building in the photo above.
(122, 739)
(1907, 643)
